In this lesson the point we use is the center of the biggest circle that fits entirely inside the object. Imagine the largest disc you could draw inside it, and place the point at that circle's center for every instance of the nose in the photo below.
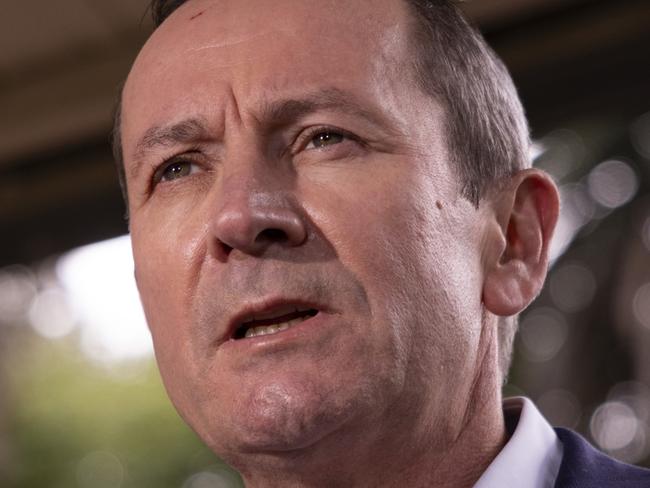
(253, 213)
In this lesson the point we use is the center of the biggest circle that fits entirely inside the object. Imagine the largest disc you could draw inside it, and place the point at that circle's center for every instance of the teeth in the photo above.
(273, 329)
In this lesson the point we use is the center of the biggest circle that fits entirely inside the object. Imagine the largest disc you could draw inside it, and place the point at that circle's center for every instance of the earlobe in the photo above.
(526, 214)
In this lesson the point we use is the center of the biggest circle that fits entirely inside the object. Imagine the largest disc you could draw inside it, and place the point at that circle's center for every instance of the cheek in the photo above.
(165, 260)
(167, 256)
(389, 238)
(376, 234)
(420, 267)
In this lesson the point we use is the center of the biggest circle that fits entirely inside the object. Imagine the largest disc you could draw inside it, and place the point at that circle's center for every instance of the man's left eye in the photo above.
(324, 139)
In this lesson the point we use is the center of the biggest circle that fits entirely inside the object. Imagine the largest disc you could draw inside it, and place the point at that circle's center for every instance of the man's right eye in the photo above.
(174, 170)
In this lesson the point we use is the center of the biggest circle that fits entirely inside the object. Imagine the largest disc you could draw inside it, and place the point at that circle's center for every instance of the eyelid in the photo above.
(305, 137)
(190, 156)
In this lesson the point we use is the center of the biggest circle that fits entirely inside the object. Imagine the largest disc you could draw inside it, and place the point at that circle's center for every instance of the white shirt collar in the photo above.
(532, 456)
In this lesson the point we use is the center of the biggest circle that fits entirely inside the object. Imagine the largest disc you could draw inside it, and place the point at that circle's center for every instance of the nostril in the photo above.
(272, 235)
(226, 248)
(220, 250)
(252, 228)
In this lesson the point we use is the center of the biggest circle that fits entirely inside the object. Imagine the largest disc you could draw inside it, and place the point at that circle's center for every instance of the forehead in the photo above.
(211, 49)
(246, 31)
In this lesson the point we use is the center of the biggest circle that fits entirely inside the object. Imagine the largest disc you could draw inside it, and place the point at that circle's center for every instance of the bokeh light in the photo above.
(614, 425)
(51, 315)
(100, 469)
(612, 183)
(564, 152)
(620, 425)
(641, 305)
(536, 151)
(645, 233)
(18, 287)
(636, 395)
(543, 332)
(577, 210)
(572, 287)
(99, 283)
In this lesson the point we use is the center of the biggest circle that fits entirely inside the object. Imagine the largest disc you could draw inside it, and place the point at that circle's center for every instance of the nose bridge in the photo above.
(250, 184)
(254, 207)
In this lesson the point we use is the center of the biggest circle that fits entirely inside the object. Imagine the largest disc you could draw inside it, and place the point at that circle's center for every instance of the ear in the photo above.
(525, 216)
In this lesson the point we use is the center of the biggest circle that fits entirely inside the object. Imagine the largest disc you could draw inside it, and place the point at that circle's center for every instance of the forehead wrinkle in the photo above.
(229, 43)
(241, 50)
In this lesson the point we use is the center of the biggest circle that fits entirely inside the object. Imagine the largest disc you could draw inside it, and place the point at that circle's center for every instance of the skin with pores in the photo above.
(296, 162)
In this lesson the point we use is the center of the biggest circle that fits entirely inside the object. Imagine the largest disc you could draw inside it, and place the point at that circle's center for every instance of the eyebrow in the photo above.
(281, 112)
(272, 114)
(188, 130)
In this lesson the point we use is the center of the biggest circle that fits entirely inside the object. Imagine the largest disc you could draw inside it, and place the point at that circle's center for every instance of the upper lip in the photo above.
(268, 308)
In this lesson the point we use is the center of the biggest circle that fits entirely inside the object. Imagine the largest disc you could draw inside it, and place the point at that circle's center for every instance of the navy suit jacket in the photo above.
(583, 466)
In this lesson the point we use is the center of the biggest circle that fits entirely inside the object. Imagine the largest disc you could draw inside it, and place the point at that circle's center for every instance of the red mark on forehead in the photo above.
(197, 15)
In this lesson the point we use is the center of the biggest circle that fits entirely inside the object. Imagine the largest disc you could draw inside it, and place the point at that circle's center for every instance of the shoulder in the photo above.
(583, 466)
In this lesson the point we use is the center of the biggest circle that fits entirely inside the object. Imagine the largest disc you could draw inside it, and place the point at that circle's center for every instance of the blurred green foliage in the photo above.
(73, 423)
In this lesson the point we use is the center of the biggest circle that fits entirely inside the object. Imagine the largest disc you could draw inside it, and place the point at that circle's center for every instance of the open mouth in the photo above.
(273, 325)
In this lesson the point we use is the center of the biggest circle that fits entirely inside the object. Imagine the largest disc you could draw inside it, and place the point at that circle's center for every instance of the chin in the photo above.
(280, 418)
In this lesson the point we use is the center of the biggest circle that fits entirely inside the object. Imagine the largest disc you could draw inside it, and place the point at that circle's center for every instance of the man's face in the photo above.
(282, 159)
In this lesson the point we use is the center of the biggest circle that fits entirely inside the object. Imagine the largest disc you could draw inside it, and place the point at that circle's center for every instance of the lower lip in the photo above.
(292, 334)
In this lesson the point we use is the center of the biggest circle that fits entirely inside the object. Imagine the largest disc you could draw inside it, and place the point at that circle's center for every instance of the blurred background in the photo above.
(81, 403)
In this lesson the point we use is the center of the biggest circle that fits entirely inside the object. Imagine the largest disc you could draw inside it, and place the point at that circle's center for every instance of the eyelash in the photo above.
(159, 170)
(307, 136)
